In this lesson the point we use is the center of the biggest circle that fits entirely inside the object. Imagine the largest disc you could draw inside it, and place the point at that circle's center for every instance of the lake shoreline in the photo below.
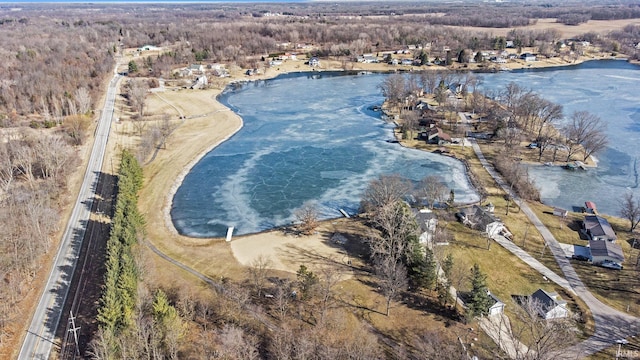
(186, 167)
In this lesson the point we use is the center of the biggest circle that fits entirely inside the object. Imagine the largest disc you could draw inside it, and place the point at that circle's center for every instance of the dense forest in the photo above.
(54, 64)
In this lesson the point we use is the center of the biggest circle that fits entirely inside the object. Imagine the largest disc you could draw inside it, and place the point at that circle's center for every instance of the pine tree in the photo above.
(422, 268)
(479, 301)
(307, 280)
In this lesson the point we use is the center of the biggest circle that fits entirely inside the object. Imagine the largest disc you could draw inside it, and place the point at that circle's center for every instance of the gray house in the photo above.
(602, 251)
(598, 228)
(551, 306)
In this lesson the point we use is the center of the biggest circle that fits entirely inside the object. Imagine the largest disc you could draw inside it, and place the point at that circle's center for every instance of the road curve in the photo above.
(39, 340)
(611, 324)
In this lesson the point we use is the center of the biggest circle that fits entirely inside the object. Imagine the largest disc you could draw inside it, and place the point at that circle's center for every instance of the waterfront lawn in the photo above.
(508, 276)
(617, 289)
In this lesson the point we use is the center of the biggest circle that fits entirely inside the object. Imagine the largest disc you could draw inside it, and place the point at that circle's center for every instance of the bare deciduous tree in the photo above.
(257, 272)
(393, 89)
(384, 191)
(83, 100)
(586, 130)
(392, 279)
(137, 93)
(433, 190)
(307, 218)
(541, 339)
(630, 209)
(235, 343)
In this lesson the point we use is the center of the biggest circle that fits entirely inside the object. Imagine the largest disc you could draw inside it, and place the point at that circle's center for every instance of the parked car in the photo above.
(611, 265)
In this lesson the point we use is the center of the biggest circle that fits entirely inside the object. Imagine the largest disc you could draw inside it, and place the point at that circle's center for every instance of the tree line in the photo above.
(34, 170)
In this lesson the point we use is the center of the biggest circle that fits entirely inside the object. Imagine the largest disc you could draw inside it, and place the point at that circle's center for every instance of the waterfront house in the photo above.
(598, 228)
(528, 57)
(550, 305)
(605, 251)
(437, 136)
(314, 61)
(427, 221)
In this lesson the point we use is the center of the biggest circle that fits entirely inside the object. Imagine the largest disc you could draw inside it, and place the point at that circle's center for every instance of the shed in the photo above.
(560, 212)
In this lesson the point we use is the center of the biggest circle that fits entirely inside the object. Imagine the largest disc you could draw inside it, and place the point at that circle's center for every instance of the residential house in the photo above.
(509, 43)
(528, 57)
(479, 218)
(196, 68)
(314, 61)
(437, 136)
(406, 62)
(428, 222)
(605, 251)
(149, 48)
(598, 228)
(551, 306)
(367, 59)
(497, 306)
(200, 82)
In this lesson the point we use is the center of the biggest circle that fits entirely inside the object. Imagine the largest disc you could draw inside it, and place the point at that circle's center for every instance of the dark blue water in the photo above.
(304, 138)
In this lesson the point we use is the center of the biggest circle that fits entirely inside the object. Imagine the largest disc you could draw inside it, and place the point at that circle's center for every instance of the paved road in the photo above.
(39, 340)
(611, 324)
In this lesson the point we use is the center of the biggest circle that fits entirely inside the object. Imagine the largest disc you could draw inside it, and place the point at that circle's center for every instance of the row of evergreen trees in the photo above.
(132, 327)
(118, 300)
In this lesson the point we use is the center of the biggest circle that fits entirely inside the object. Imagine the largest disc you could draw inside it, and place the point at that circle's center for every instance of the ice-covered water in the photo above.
(304, 138)
(608, 89)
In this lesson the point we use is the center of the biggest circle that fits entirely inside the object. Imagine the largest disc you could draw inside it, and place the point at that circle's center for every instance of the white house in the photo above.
(314, 61)
(428, 222)
(528, 57)
(196, 68)
(550, 305)
(497, 306)
(149, 48)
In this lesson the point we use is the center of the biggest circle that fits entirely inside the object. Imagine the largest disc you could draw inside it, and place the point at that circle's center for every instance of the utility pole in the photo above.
(74, 329)
(525, 235)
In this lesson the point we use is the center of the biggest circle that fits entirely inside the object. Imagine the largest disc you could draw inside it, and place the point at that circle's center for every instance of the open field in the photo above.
(566, 31)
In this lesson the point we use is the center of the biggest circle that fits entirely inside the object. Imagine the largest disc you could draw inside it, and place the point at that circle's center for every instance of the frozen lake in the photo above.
(608, 89)
(304, 138)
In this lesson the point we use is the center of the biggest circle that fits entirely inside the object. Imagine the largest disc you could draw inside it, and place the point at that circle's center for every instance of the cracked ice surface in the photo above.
(304, 138)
